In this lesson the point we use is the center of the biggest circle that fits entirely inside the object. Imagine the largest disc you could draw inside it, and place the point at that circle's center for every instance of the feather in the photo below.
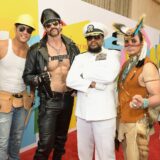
(143, 51)
(120, 28)
(139, 25)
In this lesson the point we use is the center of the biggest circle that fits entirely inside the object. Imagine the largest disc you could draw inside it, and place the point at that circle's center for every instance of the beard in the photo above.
(94, 50)
(54, 32)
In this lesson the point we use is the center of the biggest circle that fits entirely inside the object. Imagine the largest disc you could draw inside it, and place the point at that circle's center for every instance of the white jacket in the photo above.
(95, 103)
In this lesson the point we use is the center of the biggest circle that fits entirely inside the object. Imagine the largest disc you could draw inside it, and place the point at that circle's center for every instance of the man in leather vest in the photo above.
(46, 67)
(139, 90)
(12, 88)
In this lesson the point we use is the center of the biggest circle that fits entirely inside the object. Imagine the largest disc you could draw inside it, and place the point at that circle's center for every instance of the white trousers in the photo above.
(98, 135)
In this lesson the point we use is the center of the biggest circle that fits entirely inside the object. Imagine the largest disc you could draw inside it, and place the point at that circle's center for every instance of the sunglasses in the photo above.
(131, 42)
(89, 38)
(24, 28)
(48, 25)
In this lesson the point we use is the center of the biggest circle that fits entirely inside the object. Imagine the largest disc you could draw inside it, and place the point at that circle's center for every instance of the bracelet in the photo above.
(145, 103)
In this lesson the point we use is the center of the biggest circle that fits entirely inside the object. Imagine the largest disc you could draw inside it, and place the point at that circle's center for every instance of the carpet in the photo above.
(71, 148)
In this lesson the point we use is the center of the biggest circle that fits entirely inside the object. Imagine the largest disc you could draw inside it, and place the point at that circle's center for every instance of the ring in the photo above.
(134, 105)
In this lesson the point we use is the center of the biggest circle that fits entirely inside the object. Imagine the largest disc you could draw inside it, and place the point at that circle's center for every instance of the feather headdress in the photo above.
(125, 31)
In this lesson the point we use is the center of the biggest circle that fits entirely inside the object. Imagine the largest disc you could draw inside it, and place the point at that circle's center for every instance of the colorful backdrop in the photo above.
(75, 14)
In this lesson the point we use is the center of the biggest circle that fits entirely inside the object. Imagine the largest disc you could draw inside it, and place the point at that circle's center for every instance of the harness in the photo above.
(60, 58)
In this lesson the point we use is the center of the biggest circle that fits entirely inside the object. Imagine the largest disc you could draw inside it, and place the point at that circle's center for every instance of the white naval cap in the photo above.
(94, 28)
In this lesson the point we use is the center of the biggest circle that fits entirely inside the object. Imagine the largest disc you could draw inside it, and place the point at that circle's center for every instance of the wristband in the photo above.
(145, 103)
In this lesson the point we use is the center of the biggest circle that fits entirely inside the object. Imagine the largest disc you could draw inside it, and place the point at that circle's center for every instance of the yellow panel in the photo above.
(158, 54)
(75, 32)
(73, 117)
(153, 55)
(10, 9)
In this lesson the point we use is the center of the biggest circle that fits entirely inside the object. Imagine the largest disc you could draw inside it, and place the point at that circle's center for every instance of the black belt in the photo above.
(60, 94)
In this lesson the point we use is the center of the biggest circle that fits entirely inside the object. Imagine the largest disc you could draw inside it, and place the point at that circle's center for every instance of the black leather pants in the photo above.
(53, 121)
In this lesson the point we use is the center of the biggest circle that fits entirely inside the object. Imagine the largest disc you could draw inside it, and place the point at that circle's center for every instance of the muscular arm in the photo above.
(3, 48)
(152, 82)
(151, 79)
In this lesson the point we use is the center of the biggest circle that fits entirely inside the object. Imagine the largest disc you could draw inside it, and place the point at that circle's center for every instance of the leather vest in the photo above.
(126, 90)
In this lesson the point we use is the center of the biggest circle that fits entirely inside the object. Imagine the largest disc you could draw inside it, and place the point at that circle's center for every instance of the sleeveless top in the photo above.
(11, 70)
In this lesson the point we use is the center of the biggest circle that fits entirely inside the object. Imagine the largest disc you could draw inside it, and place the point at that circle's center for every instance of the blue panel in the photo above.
(29, 136)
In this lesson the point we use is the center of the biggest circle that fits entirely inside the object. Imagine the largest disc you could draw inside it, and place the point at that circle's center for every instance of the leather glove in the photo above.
(44, 81)
(44, 77)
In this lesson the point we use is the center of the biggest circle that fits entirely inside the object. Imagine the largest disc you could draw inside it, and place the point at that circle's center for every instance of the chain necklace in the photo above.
(56, 49)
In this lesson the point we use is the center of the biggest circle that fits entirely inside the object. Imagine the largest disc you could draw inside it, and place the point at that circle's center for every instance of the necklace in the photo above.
(131, 64)
(56, 49)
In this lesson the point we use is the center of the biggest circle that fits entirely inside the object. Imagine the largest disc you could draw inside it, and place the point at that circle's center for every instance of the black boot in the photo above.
(59, 149)
(57, 156)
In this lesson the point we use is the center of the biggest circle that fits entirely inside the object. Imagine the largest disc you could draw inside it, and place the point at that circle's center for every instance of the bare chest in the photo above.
(59, 64)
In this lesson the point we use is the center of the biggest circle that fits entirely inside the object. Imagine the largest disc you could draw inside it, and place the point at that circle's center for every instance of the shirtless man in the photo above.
(46, 67)
(12, 109)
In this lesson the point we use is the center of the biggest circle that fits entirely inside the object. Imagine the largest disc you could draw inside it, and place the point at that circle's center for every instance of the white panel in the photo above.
(73, 11)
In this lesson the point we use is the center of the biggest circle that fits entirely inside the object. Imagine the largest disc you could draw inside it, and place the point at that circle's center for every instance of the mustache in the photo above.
(54, 29)
(94, 43)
